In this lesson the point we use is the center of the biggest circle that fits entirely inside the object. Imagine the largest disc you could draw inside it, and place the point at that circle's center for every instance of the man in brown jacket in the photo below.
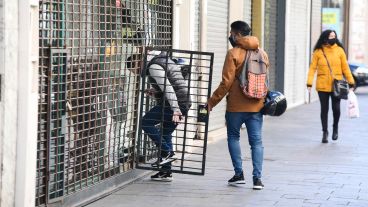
(240, 109)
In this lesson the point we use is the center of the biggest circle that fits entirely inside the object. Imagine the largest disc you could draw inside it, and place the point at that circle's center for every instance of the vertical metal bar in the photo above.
(206, 127)
(163, 105)
(186, 117)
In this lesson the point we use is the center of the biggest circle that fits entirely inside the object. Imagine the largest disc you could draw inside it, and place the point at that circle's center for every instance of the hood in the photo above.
(248, 42)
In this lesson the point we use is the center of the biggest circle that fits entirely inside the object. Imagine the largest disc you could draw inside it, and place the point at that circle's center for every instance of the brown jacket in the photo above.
(234, 61)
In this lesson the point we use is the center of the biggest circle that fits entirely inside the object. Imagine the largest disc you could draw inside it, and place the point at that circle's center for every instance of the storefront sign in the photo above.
(331, 20)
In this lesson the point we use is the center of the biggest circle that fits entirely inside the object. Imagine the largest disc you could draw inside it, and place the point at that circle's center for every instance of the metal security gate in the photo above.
(88, 102)
(190, 136)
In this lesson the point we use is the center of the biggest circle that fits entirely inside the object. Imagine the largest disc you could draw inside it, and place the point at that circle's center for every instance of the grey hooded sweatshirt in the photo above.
(162, 71)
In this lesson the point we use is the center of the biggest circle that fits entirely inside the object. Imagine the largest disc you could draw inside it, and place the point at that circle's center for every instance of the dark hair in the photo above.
(241, 27)
(323, 39)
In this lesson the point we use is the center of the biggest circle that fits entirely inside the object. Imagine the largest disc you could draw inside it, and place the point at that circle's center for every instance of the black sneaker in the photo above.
(162, 176)
(165, 158)
(257, 184)
(237, 179)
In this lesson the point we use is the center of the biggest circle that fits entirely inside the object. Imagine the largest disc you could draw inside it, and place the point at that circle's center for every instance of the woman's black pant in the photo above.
(324, 98)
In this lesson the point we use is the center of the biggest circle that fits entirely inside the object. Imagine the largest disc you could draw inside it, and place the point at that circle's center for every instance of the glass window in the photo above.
(333, 16)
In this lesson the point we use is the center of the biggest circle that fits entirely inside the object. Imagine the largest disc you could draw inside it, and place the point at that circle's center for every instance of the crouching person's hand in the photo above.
(177, 116)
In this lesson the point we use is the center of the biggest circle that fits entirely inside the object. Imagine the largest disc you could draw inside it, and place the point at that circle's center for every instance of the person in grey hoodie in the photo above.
(170, 89)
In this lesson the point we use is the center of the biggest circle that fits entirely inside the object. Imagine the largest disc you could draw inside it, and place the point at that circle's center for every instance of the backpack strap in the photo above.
(242, 77)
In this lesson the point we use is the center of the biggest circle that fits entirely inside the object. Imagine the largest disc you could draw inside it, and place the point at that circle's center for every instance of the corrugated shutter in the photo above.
(297, 60)
(315, 32)
(248, 12)
(217, 42)
(270, 32)
(197, 17)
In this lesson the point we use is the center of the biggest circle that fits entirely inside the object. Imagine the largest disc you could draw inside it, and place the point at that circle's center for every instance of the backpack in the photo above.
(253, 77)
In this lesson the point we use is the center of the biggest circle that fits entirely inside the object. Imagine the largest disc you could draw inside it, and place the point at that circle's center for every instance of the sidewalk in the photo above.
(298, 169)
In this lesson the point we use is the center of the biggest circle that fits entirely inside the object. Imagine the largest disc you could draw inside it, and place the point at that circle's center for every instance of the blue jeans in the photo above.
(154, 117)
(253, 121)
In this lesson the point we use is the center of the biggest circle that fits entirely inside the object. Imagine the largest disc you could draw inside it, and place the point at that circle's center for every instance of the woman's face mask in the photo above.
(331, 41)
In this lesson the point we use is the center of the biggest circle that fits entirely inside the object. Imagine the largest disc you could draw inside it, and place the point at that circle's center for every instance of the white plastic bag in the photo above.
(352, 105)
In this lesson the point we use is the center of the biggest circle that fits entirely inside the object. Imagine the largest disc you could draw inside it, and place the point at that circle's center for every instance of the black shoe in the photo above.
(237, 179)
(257, 184)
(335, 135)
(325, 137)
(162, 176)
(166, 157)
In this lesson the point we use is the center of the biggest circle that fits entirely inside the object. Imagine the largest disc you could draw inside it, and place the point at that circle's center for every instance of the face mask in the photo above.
(232, 41)
(331, 41)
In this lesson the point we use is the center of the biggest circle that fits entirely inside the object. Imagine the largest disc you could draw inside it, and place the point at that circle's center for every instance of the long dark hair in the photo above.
(323, 40)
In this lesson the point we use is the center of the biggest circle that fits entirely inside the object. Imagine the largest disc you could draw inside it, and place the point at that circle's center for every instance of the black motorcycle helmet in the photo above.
(275, 104)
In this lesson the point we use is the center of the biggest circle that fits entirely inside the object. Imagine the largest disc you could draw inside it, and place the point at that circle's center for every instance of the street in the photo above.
(298, 169)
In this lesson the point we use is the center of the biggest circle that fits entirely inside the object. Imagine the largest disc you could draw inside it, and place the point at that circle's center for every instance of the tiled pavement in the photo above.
(298, 169)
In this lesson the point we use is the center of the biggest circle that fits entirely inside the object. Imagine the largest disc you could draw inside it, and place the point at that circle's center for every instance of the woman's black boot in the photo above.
(325, 137)
(335, 134)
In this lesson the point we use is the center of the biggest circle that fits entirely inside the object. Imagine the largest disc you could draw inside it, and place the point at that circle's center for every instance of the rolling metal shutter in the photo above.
(248, 12)
(270, 31)
(296, 61)
(196, 42)
(217, 29)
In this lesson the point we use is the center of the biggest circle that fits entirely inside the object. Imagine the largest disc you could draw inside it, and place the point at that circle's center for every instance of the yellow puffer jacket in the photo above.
(339, 65)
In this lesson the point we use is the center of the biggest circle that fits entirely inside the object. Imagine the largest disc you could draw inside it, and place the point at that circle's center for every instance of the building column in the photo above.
(183, 20)
(9, 99)
(258, 20)
(27, 103)
(18, 103)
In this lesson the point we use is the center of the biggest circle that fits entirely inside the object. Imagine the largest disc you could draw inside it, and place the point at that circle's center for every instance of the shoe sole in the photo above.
(258, 187)
(237, 183)
(167, 161)
(162, 179)
(155, 164)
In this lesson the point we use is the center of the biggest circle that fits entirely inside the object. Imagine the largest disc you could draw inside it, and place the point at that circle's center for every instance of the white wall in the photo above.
(315, 33)
(297, 54)
(18, 106)
(8, 135)
(182, 25)
(2, 50)
(27, 103)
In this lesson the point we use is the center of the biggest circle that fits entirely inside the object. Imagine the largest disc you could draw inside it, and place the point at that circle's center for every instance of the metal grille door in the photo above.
(88, 103)
(171, 76)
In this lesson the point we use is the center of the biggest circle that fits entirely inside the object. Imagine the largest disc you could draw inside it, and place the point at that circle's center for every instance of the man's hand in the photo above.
(176, 117)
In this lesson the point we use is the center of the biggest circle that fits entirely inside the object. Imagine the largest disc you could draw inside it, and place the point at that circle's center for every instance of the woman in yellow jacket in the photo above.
(329, 45)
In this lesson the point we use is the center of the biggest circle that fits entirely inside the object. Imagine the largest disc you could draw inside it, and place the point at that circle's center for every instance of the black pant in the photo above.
(324, 98)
